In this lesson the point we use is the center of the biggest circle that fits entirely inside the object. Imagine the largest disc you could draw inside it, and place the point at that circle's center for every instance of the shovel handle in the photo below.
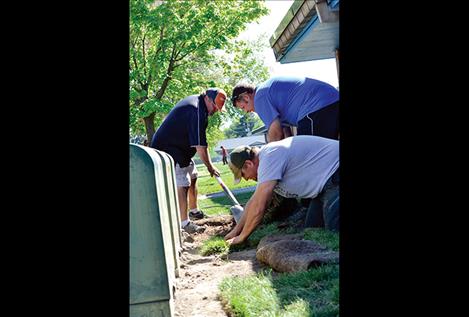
(227, 190)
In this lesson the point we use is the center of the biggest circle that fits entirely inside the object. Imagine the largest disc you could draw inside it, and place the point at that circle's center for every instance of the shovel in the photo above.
(236, 210)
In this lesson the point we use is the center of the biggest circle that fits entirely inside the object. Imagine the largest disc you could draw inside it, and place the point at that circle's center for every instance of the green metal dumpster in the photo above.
(155, 236)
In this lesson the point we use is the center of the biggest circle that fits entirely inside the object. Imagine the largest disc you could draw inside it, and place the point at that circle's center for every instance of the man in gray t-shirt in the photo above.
(300, 167)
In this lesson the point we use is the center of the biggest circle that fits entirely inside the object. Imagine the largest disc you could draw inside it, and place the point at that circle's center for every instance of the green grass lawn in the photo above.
(311, 293)
(207, 185)
(314, 292)
(221, 205)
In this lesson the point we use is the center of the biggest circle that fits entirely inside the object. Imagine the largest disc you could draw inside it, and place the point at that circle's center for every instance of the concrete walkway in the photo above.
(222, 193)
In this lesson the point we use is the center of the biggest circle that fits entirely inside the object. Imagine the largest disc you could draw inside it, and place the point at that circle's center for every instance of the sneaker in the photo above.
(193, 228)
(199, 214)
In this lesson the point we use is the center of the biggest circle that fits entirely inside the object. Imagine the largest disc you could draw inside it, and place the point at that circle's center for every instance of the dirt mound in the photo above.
(197, 287)
(214, 226)
(221, 220)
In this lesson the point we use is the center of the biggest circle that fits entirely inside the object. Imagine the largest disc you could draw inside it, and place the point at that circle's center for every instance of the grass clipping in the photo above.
(214, 245)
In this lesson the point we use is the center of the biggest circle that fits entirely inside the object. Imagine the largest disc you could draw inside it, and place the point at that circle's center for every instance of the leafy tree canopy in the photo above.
(243, 126)
(180, 48)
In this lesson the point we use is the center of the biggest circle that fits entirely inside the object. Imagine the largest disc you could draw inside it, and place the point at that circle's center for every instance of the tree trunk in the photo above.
(150, 126)
(150, 119)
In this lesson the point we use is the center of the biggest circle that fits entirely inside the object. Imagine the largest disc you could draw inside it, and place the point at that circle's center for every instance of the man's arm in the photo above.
(203, 153)
(255, 210)
(240, 225)
(275, 132)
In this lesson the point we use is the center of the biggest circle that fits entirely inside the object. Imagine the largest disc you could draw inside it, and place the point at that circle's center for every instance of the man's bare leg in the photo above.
(193, 195)
(182, 197)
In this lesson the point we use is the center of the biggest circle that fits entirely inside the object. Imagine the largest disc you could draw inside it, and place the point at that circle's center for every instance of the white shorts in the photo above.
(185, 174)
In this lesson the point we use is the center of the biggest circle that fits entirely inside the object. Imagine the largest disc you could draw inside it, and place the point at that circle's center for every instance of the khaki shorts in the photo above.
(185, 174)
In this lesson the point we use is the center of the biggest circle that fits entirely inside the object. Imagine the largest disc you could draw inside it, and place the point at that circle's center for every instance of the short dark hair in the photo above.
(241, 89)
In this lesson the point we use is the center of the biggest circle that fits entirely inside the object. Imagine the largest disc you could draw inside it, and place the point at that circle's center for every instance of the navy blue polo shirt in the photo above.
(183, 129)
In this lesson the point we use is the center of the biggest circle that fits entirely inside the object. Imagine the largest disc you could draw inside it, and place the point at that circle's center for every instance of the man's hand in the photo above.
(233, 233)
(205, 157)
(213, 171)
(235, 240)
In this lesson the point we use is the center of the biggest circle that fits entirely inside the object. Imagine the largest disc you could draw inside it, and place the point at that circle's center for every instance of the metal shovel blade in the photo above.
(237, 212)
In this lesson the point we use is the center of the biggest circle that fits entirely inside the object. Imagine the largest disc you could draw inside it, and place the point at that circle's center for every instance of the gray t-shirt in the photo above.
(301, 164)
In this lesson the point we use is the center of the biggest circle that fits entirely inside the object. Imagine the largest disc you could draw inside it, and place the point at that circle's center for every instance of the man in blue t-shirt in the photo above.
(309, 104)
(181, 135)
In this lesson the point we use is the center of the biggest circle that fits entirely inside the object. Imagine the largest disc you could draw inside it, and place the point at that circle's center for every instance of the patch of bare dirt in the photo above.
(197, 292)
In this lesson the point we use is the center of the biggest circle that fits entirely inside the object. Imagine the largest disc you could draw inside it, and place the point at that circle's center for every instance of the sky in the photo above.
(324, 70)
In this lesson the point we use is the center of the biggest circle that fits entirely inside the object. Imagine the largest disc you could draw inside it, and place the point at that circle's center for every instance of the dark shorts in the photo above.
(323, 210)
(324, 122)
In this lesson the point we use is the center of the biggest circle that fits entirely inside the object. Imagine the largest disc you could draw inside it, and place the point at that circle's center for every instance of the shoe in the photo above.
(199, 214)
(193, 228)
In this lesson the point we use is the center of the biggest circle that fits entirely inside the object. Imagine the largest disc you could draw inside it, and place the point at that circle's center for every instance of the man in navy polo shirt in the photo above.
(309, 104)
(181, 135)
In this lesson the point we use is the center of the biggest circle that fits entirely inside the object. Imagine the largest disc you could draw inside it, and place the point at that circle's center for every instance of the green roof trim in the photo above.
(286, 20)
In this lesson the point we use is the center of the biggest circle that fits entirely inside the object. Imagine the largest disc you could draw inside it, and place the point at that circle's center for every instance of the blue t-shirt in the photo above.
(292, 98)
(183, 129)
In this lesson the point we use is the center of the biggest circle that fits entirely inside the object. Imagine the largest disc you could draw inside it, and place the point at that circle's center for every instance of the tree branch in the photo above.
(135, 41)
(161, 40)
(143, 53)
(182, 47)
(156, 54)
(136, 68)
(168, 77)
(138, 77)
